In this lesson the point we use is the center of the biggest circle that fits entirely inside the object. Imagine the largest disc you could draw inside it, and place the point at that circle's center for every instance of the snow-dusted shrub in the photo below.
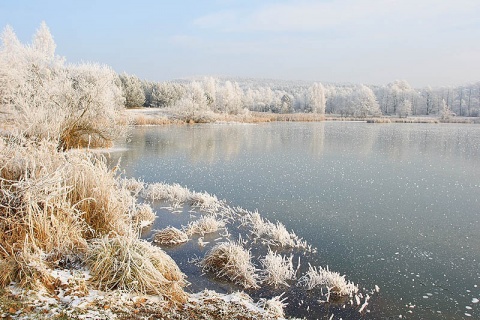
(73, 105)
(231, 261)
(169, 236)
(324, 278)
(131, 264)
(206, 224)
(277, 269)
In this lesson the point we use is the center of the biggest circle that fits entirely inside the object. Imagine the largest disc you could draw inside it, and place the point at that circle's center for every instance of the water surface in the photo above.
(394, 205)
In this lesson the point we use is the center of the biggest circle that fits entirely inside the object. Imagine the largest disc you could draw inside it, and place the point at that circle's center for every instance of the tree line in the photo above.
(80, 104)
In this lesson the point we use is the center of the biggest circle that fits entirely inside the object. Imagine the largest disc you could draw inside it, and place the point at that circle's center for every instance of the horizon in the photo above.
(373, 43)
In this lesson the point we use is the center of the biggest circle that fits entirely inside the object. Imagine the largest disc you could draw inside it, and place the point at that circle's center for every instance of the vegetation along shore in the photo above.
(70, 222)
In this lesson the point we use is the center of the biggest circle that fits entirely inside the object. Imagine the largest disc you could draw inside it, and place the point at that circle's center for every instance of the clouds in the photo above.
(372, 41)
(314, 16)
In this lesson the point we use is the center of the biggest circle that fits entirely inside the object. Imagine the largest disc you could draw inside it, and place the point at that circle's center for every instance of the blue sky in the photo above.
(426, 42)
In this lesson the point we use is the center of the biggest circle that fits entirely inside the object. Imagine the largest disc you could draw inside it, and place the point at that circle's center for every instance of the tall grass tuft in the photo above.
(324, 278)
(178, 195)
(231, 261)
(270, 233)
(277, 269)
(27, 268)
(204, 225)
(143, 215)
(170, 236)
(134, 265)
(106, 206)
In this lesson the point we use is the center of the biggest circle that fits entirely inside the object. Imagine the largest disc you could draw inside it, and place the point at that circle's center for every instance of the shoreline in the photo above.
(158, 116)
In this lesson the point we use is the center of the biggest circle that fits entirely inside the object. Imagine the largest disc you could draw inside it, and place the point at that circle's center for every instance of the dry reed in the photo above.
(143, 215)
(330, 280)
(128, 263)
(204, 225)
(274, 234)
(231, 261)
(277, 269)
(170, 236)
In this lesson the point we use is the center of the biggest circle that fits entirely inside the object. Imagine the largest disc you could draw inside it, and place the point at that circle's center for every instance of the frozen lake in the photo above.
(393, 205)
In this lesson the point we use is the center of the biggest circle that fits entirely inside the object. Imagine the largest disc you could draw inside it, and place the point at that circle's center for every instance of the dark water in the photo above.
(393, 205)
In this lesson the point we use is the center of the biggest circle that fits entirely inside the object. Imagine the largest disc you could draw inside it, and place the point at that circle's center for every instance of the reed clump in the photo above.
(170, 236)
(274, 234)
(57, 207)
(324, 278)
(143, 215)
(231, 261)
(129, 263)
(277, 269)
(204, 225)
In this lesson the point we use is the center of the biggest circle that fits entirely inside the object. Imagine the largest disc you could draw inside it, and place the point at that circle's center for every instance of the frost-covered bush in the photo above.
(44, 98)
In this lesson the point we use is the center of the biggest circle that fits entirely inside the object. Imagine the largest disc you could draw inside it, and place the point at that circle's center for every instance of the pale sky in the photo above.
(426, 42)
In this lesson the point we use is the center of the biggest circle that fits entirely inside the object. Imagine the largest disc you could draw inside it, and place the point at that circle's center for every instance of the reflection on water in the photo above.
(389, 204)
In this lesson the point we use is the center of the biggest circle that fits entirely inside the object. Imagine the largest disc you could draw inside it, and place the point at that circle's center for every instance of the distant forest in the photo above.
(235, 96)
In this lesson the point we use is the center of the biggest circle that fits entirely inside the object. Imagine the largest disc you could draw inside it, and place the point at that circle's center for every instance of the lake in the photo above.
(393, 205)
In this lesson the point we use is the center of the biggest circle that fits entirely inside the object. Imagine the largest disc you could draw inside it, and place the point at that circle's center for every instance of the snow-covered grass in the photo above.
(128, 263)
(143, 215)
(133, 185)
(170, 236)
(232, 261)
(277, 269)
(177, 196)
(173, 193)
(274, 234)
(206, 224)
(324, 278)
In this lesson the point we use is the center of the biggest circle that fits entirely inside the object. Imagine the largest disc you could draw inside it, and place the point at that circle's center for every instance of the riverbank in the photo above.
(157, 116)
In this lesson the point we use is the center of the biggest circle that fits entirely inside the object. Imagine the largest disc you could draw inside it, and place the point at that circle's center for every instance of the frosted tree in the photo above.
(133, 91)
(76, 105)
(229, 98)
(365, 102)
(399, 91)
(316, 98)
(249, 98)
(445, 111)
(404, 109)
(163, 95)
(43, 42)
(193, 106)
(286, 104)
(210, 88)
